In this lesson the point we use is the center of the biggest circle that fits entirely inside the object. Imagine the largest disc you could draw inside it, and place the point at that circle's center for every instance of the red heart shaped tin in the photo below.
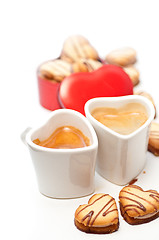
(48, 92)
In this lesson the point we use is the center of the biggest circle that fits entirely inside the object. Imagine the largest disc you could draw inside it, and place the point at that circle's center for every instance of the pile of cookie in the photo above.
(100, 215)
(125, 58)
(78, 55)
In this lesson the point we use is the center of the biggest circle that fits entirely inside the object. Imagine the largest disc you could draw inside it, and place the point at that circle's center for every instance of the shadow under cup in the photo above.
(120, 157)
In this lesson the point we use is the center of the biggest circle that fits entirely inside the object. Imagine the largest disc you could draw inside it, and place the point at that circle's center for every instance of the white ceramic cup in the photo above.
(63, 173)
(120, 157)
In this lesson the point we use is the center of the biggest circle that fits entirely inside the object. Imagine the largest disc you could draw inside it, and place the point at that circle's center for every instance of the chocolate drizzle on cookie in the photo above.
(100, 215)
(138, 206)
(55, 70)
(105, 213)
(88, 65)
(155, 197)
(92, 203)
(76, 47)
(89, 216)
(107, 208)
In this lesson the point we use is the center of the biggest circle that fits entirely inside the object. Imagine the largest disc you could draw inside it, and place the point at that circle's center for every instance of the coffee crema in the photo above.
(123, 120)
(65, 137)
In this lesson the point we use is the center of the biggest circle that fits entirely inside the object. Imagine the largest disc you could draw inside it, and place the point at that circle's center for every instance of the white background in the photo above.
(31, 32)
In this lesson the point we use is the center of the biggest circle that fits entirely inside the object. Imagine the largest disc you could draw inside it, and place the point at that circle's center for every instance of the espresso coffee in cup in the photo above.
(123, 120)
(121, 155)
(65, 137)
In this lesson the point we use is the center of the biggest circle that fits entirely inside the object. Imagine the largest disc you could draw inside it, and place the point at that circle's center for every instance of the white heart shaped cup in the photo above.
(120, 157)
(63, 173)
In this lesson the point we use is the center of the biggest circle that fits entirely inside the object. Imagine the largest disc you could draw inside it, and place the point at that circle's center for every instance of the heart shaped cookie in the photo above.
(138, 206)
(153, 145)
(100, 215)
(107, 81)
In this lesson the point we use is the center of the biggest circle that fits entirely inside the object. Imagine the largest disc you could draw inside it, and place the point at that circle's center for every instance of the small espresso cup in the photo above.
(120, 157)
(63, 173)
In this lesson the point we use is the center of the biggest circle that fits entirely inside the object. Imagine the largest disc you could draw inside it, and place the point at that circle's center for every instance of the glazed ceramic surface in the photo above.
(120, 157)
(64, 173)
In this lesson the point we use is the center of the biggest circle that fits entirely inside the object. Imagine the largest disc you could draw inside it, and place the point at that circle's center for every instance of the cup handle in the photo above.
(23, 135)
